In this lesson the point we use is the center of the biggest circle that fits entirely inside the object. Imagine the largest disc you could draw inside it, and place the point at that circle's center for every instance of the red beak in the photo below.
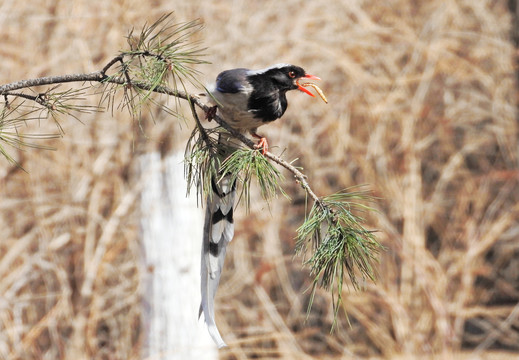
(309, 77)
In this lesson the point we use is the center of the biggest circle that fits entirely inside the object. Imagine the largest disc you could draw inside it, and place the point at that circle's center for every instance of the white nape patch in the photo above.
(211, 87)
(262, 71)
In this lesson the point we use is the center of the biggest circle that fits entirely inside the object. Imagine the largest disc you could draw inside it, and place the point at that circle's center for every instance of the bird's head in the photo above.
(286, 77)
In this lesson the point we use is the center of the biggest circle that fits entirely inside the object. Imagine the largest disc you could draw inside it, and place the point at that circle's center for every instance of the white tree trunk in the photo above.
(172, 236)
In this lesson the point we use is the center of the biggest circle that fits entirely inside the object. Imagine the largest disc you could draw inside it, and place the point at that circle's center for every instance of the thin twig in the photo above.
(96, 76)
(203, 133)
(111, 63)
(40, 98)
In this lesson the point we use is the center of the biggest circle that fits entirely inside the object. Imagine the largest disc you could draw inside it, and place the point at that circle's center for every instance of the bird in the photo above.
(245, 99)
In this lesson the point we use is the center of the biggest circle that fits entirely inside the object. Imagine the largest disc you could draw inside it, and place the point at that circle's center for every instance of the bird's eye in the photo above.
(292, 74)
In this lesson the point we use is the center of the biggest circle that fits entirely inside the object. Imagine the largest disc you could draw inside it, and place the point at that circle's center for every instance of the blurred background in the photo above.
(422, 109)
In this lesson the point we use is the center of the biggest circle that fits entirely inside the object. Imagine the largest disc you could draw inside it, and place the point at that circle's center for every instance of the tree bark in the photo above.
(171, 228)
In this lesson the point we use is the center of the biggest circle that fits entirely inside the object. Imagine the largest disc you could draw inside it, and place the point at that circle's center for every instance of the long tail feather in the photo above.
(218, 232)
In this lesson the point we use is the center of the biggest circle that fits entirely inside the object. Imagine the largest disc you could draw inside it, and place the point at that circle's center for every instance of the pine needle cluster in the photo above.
(339, 244)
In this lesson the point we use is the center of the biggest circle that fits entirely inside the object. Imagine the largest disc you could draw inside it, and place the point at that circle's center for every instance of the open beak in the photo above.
(309, 77)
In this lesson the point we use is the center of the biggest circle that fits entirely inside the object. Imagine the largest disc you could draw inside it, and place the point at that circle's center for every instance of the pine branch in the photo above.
(101, 77)
(160, 61)
(50, 80)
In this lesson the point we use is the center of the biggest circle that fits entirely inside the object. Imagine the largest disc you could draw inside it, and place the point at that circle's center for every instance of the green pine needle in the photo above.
(201, 161)
(340, 244)
(244, 164)
(206, 159)
(163, 54)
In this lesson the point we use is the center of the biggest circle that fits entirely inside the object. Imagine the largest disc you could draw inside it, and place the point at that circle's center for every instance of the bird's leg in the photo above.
(262, 143)
(210, 114)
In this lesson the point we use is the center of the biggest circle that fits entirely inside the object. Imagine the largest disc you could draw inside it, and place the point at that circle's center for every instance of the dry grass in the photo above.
(422, 108)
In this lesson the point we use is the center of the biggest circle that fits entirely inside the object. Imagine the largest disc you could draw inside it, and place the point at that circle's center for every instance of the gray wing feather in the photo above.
(231, 81)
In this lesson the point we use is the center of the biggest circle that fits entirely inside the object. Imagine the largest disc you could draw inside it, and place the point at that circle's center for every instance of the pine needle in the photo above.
(244, 164)
(340, 244)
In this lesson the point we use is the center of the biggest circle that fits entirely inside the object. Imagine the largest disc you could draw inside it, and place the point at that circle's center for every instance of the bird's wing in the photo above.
(218, 232)
(232, 81)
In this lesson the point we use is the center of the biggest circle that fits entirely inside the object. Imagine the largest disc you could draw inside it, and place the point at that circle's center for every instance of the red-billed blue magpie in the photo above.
(245, 99)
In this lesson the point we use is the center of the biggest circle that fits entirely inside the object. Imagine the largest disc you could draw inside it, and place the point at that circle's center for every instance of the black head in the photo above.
(269, 86)
(282, 76)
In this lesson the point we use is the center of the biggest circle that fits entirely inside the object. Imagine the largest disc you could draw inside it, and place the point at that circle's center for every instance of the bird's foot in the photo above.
(262, 144)
(211, 113)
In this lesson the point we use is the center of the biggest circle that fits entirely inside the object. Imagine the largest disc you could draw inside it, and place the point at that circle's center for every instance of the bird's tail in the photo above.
(218, 232)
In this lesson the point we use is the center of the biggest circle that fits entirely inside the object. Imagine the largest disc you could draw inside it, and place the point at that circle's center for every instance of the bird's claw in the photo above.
(211, 113)
(263, 145)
